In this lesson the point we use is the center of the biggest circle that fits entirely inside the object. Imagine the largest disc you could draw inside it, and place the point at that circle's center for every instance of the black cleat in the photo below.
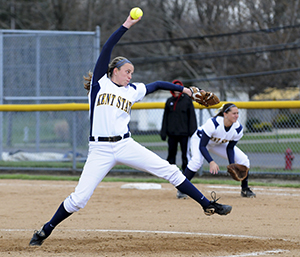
(246, 192)
(215, 207)
(38, 237)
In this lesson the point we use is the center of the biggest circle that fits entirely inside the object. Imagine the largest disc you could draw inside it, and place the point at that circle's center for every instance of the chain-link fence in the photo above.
(47, 67)
(270, 137)
(43, 67)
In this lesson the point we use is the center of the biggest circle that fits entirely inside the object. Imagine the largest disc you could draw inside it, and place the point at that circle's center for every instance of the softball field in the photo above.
(121, 221)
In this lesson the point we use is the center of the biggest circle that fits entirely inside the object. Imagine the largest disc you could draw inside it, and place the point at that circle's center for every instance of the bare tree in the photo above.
(187, 39)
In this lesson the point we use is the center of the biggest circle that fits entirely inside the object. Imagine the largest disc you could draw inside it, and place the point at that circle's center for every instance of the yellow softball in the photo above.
(136, 12)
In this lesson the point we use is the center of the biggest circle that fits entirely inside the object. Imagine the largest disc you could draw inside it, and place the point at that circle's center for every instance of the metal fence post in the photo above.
(1, 92)
(200, 171)
(74, 140)
(38, 91)
(97, 42)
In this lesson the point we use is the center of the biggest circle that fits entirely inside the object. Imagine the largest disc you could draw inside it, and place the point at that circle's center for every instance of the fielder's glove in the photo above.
(237, 171)
(205, 98)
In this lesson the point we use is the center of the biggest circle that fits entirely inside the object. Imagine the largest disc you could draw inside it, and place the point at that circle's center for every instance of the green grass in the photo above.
(247, 136)
(18, 122)
(258, 147)
(260, 169)
(147, 138)
(39, 177)
(261, 136)
(33, 164)
(141, 180)
(68, 165)
(64, 165)
(270, 147)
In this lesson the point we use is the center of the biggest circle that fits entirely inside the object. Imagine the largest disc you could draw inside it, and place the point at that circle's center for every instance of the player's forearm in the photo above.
(206, 154)
(203, 149)
(230, 151)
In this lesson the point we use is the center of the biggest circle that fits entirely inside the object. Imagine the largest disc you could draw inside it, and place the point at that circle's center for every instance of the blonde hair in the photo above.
(87, 81)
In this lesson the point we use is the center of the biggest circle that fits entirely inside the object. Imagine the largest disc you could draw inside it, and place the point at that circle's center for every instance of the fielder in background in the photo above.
(179, 124)
(111, 96)
(220, 135)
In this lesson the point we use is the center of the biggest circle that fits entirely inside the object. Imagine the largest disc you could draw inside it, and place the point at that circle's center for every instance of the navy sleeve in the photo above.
(202, 147)
(151, 87)
(101, 66)
(230, 151)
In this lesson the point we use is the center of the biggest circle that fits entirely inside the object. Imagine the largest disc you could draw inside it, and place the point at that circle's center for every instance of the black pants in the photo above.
(172, 151)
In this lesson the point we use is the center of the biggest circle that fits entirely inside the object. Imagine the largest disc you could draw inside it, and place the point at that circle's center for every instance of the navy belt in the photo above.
(110, 139)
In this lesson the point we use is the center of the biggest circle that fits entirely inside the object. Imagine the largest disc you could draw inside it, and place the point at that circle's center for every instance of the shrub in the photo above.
(263, 127)
(281, 121)
(287, 121)
(255, 125)
(251, 123)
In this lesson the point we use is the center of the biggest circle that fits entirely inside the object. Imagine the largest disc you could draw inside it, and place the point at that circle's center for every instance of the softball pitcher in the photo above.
(218, 135)
(111, 96)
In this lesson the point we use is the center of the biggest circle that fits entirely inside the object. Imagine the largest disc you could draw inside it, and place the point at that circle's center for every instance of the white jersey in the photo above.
(110, 143)
(215, 129)
(110, 108)
(219, 138)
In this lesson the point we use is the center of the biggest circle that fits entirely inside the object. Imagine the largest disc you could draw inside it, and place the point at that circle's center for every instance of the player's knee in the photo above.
(245, 162)
(73, 204)
(176, 178)
(194, 165)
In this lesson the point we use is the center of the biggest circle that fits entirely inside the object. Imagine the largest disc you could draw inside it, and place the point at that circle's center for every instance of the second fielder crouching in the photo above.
(218, 135)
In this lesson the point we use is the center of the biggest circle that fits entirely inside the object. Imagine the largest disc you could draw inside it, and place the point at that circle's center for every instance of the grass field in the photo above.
(140, 179)
(250, 143)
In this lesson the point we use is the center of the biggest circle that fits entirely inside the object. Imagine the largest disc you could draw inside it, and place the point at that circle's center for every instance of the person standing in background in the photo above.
(178, 124)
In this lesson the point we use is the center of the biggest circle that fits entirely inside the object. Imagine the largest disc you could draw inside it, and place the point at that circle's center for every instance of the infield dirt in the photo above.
(132, 222)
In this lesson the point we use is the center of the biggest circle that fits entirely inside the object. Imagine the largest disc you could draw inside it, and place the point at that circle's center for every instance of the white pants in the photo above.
(103, 156)
(197, 158)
